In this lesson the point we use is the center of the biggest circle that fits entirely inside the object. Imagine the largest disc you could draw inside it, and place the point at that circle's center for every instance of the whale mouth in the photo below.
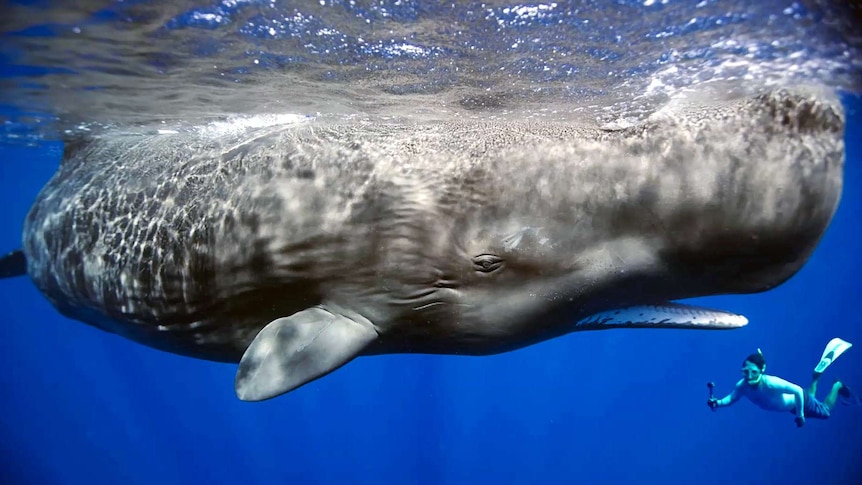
(663, 315)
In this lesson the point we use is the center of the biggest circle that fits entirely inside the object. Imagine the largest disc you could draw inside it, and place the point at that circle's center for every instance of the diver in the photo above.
(776, 394)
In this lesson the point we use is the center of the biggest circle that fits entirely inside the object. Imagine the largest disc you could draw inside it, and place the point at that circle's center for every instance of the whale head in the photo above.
(554, 236)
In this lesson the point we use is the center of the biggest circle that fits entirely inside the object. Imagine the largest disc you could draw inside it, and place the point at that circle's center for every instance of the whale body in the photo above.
(292, 249)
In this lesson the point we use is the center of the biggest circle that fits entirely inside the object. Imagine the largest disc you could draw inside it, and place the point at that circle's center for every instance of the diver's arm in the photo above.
(730, 398)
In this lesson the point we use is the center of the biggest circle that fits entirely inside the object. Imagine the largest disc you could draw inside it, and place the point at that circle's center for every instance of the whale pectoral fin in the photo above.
(666, 315)
(295, 350)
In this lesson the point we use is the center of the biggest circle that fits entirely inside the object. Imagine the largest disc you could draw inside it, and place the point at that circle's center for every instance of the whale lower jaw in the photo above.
(664, 315)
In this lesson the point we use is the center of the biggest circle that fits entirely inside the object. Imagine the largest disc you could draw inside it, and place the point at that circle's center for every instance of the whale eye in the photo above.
(487, 263)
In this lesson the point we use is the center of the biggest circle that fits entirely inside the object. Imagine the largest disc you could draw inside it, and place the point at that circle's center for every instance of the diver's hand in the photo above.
(800, 421)
(712, 403)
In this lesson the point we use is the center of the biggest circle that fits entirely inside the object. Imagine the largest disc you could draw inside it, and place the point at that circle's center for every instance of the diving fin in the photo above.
(848, 397)
(666, 315)
(13, 264)
(833, 349)
(295, 350)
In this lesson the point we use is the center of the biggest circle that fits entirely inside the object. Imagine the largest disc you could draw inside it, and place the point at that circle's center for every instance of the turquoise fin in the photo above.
(833, 349)
(298, 349)
(666, 315)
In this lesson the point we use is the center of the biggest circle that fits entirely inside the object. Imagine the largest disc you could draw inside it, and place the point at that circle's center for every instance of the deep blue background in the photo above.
(82, 406)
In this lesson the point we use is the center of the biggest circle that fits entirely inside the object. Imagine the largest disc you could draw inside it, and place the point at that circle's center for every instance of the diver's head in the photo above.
(753, 367)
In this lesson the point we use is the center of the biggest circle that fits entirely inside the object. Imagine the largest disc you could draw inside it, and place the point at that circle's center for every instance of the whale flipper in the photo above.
(294, 350)
(13, 264)
(666, 315)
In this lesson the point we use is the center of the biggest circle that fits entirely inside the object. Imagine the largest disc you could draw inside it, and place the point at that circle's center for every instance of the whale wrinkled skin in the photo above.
(293, 249)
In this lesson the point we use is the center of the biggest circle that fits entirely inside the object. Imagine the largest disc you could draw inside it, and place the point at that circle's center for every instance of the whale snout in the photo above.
(771, 209)
(795, 111)
(749, 265)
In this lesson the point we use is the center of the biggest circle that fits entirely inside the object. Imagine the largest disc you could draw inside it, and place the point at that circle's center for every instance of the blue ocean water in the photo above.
(83, 406)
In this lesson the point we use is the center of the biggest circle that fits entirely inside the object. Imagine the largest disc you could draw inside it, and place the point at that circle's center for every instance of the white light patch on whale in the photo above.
(240, 124)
